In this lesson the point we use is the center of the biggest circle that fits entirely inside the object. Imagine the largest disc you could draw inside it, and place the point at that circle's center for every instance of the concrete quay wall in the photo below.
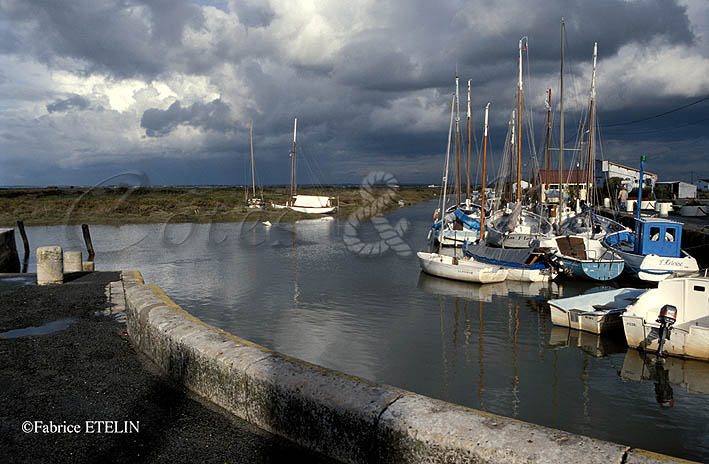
(344, 417)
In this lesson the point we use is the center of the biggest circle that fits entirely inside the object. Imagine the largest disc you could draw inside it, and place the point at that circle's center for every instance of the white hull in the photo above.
(689, 336)
(594, 312)
(306, 209)
(450, 267)
(530, 275)
(654, 268)
(313, 210)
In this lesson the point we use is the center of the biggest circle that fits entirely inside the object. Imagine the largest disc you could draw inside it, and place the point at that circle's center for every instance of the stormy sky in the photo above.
(90, 89)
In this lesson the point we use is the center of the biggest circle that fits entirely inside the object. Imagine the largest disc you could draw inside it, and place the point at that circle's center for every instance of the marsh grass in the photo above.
(142, 205)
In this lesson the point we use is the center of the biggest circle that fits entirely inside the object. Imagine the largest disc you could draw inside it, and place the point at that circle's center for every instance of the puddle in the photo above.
(12, 282)
(45, 329)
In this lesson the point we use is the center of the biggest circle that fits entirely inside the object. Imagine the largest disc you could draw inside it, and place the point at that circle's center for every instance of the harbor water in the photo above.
(350, 296)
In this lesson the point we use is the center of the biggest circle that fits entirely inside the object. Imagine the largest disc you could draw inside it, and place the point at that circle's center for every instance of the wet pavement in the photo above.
(73, 389)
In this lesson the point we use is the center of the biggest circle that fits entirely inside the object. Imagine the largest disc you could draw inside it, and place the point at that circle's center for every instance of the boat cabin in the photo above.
(657, 236)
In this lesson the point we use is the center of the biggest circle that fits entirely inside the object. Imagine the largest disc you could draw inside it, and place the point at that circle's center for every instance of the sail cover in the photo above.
(467, 221)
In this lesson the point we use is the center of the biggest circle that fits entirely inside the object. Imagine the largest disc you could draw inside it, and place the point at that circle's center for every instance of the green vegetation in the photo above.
(140, 205)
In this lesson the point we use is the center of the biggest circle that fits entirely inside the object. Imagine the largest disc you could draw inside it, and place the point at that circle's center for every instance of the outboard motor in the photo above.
(667, 317)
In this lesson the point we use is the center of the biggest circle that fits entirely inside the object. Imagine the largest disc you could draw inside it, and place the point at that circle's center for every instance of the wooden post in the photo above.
(87, 239)
(26, 243)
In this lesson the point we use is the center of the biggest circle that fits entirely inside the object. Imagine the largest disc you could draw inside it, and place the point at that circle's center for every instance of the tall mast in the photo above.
(561, 129)
(251, 138)
(467, 185)
(589, 179)
(512, 153)
(292, 172)
(546, 171)
(445, 179)
(457, 141)
(519, 125)
(482, 203)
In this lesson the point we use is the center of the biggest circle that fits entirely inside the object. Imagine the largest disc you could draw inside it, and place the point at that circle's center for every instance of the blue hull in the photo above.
(593, 270)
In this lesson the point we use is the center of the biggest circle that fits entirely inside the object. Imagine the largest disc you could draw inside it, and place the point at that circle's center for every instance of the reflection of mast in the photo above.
(515, 379)
(443, 347)
(584, 380)
(481, 367)
(296, 290)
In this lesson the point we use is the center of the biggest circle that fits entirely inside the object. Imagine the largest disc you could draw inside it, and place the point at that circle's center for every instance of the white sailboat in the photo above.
(517, 226)
(309, 204)
(452, 267)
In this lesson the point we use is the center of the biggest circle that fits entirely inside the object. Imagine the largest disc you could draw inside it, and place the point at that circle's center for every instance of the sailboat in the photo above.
(309, 204)
(452, 267)
(253, 202)
(582, 254)
(517, 226)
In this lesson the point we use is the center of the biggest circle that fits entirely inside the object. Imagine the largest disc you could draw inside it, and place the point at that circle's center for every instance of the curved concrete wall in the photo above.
(347, 418)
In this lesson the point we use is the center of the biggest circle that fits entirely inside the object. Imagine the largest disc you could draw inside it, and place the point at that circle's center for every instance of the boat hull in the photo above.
(689, 336)
(654, 268)
(601, 270)
(459, 269)
(313, 210)
(597, 312)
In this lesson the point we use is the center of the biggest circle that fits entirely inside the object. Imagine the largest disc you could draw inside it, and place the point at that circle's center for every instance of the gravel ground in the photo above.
(89, 371)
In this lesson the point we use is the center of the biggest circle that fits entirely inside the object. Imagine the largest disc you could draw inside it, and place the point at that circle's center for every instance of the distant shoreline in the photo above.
(44, 206)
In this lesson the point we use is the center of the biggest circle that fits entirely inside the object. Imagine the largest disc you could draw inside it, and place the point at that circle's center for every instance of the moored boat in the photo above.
(672, 318)
(597, 312)
(468, 270)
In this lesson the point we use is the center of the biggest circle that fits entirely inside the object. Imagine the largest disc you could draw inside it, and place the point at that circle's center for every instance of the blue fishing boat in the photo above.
(654, 251)
(583, 257)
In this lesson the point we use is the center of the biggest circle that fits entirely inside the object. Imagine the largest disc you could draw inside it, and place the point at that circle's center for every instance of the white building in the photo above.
(679, 189)
(607, 169)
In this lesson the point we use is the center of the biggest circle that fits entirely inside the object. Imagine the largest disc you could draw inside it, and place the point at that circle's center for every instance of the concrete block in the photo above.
(72, 261)
(50, 266)
(87, 266)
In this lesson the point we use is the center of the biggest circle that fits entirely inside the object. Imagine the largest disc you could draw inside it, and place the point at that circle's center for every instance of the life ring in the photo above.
(668, 237)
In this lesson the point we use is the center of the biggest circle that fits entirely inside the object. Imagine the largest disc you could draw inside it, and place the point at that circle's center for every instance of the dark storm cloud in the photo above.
(211, 116)
(124, 39)
(75, 102)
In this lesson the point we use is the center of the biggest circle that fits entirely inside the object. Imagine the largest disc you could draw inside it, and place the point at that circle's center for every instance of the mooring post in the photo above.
(87, 239)
(21, 227)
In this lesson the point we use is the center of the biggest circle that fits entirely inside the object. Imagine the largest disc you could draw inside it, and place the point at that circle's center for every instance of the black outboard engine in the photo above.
(667, 317)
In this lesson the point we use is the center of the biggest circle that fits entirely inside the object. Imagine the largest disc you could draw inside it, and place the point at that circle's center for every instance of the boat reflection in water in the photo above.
(592, 344)
(689, 374)
(484, 292)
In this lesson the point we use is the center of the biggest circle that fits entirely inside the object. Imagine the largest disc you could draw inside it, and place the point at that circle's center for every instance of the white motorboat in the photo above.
(672, 318)
(597, 312)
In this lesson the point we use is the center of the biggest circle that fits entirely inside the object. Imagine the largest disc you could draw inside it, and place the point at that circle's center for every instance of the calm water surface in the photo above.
(298, 289)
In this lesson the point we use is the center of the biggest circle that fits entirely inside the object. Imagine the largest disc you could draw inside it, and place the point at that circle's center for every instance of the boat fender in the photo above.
(436, 213)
